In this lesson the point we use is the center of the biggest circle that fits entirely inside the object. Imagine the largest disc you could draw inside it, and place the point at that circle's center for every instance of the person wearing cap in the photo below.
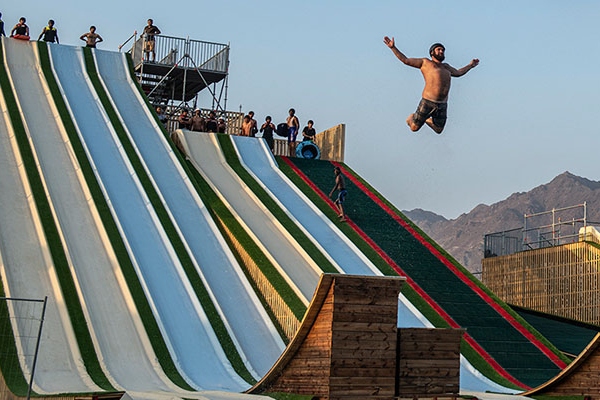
(432, 109)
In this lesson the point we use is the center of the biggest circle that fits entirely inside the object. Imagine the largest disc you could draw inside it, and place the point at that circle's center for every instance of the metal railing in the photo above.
(186, 53)
(503, 243)
(555, 227)
(540, 230)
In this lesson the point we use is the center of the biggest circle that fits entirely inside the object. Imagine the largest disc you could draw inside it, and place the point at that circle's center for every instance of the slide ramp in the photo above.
(249, 323)
(185, 327)
(514, 352)
(27, 267)
(294, 263)
(117, 333)
(259, 161)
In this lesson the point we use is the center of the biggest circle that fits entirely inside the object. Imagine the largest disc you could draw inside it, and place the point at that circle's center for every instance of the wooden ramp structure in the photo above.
(580, 378)
(347, 347)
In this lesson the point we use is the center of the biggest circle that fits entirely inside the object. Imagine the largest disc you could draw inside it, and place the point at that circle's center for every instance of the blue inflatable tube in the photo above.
(308, 149)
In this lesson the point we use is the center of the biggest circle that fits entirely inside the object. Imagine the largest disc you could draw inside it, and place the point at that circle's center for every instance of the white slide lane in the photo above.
(258, 160)
(285, 253)
(249, 323)
(184, 325)
(27, 268)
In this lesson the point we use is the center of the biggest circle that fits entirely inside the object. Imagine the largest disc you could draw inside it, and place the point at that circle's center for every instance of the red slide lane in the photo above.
(497, 367)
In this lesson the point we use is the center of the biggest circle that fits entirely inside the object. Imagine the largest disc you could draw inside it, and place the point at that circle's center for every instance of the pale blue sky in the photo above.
(527, 113)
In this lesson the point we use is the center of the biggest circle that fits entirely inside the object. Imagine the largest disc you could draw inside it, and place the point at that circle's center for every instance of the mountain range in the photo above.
(463, 237)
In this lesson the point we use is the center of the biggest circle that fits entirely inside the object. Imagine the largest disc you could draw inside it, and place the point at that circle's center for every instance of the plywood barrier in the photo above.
(428, 362)
(346, 345)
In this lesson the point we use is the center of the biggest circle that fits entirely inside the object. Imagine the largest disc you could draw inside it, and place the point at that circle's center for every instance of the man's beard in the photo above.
(440, 58)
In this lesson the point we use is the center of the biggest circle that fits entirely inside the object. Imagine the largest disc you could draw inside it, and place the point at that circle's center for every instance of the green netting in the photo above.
(515, 353)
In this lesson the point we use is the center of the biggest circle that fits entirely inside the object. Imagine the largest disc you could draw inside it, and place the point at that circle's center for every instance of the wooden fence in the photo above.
(562, 280)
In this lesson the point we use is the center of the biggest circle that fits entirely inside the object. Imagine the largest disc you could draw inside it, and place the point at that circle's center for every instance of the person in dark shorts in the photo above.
(308, 133)
(91, 38)
(433, 107)
(293, 127)
(49, 33)
(267, 132)
(340, 186)
(150, 30)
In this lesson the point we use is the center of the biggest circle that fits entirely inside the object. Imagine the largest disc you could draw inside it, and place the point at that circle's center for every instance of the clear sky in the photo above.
(527, 113)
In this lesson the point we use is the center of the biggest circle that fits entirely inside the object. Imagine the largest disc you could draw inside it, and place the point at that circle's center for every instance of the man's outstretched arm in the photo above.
(461, 71)
(413, 62)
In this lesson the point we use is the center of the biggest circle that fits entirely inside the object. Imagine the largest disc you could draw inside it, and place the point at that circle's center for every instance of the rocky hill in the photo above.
(463, 237)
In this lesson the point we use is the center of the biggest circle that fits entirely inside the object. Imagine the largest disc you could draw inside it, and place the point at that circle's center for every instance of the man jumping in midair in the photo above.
(434, 104)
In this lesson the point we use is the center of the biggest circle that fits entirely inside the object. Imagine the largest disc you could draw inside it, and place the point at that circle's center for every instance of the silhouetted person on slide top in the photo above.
(434, 104)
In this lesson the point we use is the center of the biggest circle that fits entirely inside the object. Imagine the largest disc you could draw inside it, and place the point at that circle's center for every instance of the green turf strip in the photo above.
(274, 208)
(143, 306)
(178, 245)
(57, 251)
(508, 347)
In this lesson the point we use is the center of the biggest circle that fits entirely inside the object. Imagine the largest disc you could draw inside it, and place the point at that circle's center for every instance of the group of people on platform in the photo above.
(199, 123)
(291, 125)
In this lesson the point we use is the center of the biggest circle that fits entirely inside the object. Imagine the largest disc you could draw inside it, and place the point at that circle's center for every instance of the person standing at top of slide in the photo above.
(293, 126)
(91, 38)
(150, 31)
(49, 33)
(432, 109)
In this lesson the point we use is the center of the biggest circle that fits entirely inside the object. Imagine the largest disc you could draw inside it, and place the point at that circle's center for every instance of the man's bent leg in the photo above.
(432, 125)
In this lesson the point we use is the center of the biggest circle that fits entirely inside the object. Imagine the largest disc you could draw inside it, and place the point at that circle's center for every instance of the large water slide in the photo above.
(259, 161)
(89, 124)
(27, 267)
(184, 324)
(249, 323)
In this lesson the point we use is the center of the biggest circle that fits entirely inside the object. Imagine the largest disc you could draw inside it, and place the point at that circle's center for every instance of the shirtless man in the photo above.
(340, 185)
(293, 126)
(433, 106)
(91, 38)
